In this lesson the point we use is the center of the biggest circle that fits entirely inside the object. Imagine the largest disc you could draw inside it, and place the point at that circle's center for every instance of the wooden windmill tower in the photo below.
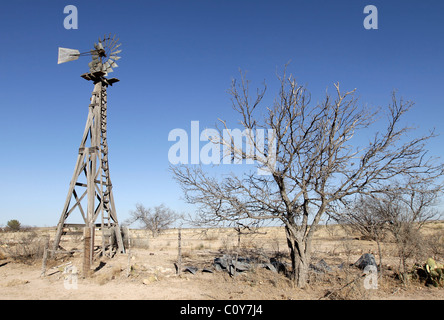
(91, 179)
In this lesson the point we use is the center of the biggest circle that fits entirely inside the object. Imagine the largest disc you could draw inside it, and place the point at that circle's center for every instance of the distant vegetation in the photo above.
(13, 225)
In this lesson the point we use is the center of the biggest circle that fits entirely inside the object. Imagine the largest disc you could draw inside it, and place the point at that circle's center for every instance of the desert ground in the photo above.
(147, 271)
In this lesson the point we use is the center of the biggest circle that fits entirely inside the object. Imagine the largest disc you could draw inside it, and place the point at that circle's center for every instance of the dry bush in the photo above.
(435, 244)
(25, 247)
(140, 241)
(410, 248)
(346, 285)
(354, 291)
(259, 277)
(205, 235)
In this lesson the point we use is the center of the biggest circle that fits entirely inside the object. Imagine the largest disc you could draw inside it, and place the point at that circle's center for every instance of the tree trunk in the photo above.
(302, 274)
(300, 259)
(290, 244)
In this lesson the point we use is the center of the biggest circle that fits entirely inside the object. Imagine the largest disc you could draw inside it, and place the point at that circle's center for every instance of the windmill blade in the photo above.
(115, 47)
(106, 41)
(109, 42)
(113, 43)
(66, 55)
(93, 62)
(98, 66)
(115, 52)
(114, 65)
(114, 57)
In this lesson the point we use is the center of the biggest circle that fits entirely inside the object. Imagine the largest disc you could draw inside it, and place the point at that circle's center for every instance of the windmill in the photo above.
(91, 178)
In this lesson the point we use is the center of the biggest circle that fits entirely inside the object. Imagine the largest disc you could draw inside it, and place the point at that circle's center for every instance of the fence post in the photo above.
(45, 257)
(179, 252)
(128, 270)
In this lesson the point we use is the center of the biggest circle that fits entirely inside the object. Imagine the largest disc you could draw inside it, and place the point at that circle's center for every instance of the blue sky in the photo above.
(177, 63)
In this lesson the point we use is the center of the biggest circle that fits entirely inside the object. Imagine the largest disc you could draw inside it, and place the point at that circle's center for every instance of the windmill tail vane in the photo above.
(66, 55)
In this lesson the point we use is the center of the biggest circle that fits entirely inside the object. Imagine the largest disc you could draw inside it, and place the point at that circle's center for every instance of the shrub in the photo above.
(14, 225)
(26, 248)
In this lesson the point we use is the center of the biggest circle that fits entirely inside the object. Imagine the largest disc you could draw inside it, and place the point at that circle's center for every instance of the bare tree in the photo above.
(399, 212)
(406, 208)
(315, 168)
(154, 219)
(365, 216)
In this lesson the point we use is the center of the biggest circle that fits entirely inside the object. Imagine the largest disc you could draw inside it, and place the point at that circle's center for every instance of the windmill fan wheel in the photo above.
(105, 54)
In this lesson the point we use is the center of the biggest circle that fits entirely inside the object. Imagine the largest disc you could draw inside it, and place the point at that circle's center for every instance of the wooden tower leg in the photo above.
(92, 162)
(87, 244)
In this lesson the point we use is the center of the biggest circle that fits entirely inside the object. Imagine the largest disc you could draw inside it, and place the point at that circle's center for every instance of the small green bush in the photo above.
(13, 225)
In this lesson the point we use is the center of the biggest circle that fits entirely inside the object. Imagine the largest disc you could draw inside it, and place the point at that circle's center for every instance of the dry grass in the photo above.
(25, 247)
